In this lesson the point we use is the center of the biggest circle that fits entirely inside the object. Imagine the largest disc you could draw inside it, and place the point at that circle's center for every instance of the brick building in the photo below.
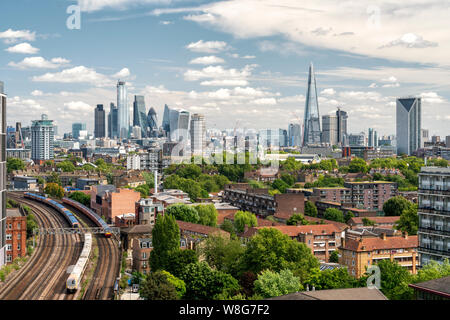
(386, 222)
(358, 254)
(371, 195)
(16, 235)
(146, 211)
(322, 239)
(110, 202)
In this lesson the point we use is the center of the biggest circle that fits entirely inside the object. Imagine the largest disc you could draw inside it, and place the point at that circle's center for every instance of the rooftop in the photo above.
(439, 286)
(335, 294)
(13, 212)
(370, 244)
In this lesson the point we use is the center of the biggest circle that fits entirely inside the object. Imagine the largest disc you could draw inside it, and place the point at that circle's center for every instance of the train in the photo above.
(99, 222)
(73, 221)
(74, 280)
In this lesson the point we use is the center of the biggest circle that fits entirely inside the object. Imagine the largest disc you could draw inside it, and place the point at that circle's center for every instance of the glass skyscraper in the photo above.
(113, 123)
(139, 115)
(76, 128)
(99, 124)
(198, 134)
(341, 127)
(152, 122)
(409, 122)
(312, 132)
(123, 111)
(179, 124)
(166, 120)
(294, 135)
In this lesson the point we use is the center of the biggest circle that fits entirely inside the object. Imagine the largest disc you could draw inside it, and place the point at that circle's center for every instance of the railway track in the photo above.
(101, 286)
(44, 274)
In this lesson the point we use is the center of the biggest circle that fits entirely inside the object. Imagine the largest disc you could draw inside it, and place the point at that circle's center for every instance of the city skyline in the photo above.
(258, 77)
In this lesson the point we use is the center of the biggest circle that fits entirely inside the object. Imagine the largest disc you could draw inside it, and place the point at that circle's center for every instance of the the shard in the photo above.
(311, 133)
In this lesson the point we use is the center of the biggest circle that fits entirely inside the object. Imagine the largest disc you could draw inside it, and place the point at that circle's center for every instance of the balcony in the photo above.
(434, 231)
(433, 251)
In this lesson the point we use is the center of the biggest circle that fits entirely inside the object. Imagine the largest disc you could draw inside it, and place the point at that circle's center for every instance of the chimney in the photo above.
(405, 235)
(383, 235)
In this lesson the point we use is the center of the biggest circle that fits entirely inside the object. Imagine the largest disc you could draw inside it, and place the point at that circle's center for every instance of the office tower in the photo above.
(434, 220)
(425, 137)
(166, 120)
(375, 139)
(358, 139)
(100, 125)
(311, 134)
(55, 130)
(341, 127)
(447, 141)
(294, 133)
(435, 139)
(123, 111)
(76, 128)
(330, 129)
(152, 122)
(283, 137)
(2, 176)
(198, 134)
(409, 121)
(139, 115)
(113, 124)
(179, 123)
(370, 142)
(42, 139)
(137, 132)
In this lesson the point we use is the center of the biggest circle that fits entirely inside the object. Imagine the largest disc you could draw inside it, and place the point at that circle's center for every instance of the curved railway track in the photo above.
(101, 286)
(44, 274)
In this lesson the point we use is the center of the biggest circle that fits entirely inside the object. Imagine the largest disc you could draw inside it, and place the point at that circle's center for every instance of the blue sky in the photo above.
(239, 62)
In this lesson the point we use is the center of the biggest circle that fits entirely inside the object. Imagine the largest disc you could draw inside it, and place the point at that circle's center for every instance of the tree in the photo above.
(54, 190)
(334, 256)
(66, 166)
(348, 216)
(272, 284)
(204, 283)
(432, 270)
(179, 284)
(13, 164)
(334, 214)
(244, 218)
(396, 205)
(280, 185)
(368, 222)
(358, 165)
(165, 238)
(394, 280)
(288, 179)
(149, 178)
(81, 198)
(227, 226)
(337, 278)
(31, 224)
(157, 287)
(54, 178)
(310, 209)
(207, 214)
(273, 250)
(183, 212)
(223, 254)
(144, 189)
(297, 219)
(246, 281)
(178, 258)
(409, 221)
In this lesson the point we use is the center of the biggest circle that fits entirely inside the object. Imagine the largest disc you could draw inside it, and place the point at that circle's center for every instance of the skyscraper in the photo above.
(341, 127)
(152, 122)
(198, 134)
(2, 176)
(123, 111)
(330, 129)
(294, 133)
(99, 126)
(76, 128)
(370, 142)
(42, 139)
(409, 122)
(311, 134)
(139, 115)
(113, 124)
(166, 120)
(179, 124)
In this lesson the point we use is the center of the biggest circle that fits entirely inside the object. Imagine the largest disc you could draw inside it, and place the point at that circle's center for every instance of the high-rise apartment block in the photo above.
(330, 129)
(409, 124)
(198, 134)
(2, 175)
(434, 214)
(99, 125)
(123, 111)
(42, 139)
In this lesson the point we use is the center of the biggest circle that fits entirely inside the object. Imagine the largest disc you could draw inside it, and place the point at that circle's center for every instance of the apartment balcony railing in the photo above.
(434, 251)
(427, 209)
(435, 231)
(427, 190)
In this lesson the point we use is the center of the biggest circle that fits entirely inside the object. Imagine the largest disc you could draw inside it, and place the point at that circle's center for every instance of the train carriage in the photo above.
(74, 279)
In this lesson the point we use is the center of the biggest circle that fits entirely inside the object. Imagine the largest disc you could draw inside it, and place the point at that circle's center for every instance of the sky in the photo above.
(241, 63)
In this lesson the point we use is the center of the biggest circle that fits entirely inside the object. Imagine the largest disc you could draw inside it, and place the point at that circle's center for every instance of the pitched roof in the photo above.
(340, 225)
(378, 220)
(335, 294)
(294, 231)
(439, 286)
(199, 228)
(370, 244)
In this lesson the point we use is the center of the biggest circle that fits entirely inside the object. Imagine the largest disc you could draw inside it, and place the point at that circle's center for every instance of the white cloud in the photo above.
(12, 36)
(37, 93)
(78, 106)
(431, 97)
(23, 47)
(218, 73)
(124, 73)
(39, 63)
(79, 74)
(207, 46)
(207, 60)
(225, 82)
(410, 40)
(265, 101)
(166, 22)
(96, 5)
(328, 92)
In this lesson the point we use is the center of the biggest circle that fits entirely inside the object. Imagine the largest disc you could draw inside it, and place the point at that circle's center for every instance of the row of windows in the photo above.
(9, 247)
(9, 236)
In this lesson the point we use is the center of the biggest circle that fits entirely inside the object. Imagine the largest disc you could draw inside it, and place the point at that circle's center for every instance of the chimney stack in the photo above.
(383, 235)
(405, 234)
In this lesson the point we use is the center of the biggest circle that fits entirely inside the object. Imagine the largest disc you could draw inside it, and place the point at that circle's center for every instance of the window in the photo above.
(144, 255)
(353, 262)
(18, 226)
(18, 247)
(9, 258)
(8, 247)
(8, 236)
(18, 236)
